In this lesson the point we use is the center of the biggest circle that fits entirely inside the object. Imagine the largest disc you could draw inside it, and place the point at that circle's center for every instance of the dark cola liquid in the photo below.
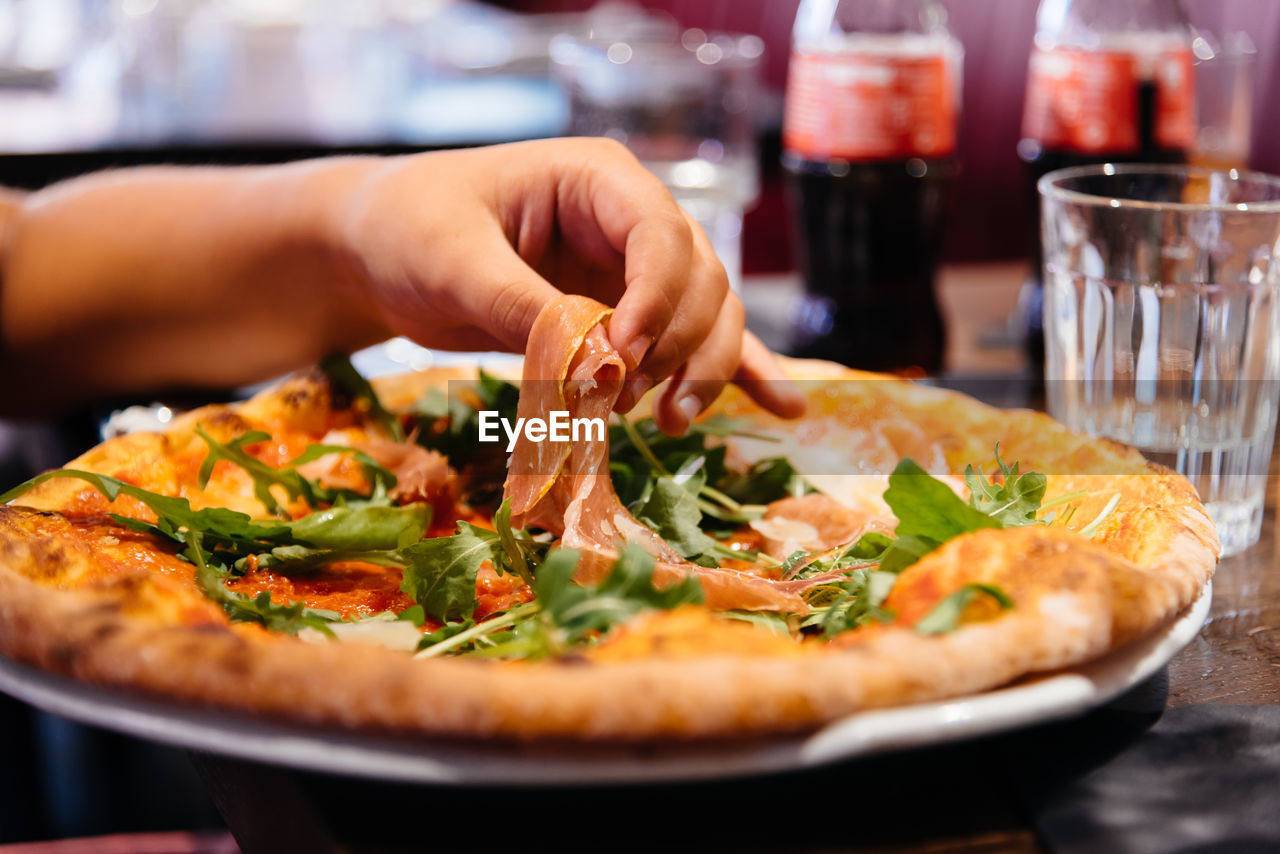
(868, 237)
(1041, 161)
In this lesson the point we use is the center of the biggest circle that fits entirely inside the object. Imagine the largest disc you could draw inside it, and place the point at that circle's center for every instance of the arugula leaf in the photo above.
(413, 614)
(444, 633)
(379, 476)
(344, 375)
(672, 511)
(441, 575)
(929, 513)
(639, 453)
(792, 561)
(926, 507)
(288, 477)
(295, 559)
(773, 622)
(767, 480)
(451, 424)
(904, 551)
(857, 604)
(512, 634)
(576, 612)
(871, 546)
(362, 528)
(507, 537)
(945, 616)
(291, 618)
(174, 514)
(1014, 502)
(565, 614)
(264, 476)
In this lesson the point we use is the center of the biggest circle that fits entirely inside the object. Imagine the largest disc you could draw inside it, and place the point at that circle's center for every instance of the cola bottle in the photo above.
(869, 139)
(1109, 81)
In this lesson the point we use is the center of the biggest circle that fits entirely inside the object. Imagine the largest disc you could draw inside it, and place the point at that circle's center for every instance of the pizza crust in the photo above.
(90, 634)
(1074, 601)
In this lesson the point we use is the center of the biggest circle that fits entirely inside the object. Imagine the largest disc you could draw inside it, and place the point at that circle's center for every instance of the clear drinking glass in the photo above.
(682, 102)
(1224, 99)
(1162, 322)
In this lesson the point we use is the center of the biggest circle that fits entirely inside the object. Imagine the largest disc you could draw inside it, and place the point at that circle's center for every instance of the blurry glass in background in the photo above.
(59, 74)
(80, 75)
(429, 72)
(682, 102)
(1224, 99)
(256, 69)
(478, 74)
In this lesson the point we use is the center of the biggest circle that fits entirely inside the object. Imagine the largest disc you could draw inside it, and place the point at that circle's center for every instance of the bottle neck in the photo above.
(1110, 24)
(819, 21)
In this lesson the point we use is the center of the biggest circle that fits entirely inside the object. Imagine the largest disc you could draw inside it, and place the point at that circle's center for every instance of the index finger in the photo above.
(641, 220)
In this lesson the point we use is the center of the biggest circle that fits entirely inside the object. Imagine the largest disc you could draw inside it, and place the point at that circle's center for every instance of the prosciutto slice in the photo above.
(565, 488)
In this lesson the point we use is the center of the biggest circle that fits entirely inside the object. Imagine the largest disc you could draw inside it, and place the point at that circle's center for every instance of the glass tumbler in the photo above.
(1162, 322)
(682, 102)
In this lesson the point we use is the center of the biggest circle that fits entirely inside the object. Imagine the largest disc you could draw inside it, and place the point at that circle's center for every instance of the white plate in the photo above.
(479, 763)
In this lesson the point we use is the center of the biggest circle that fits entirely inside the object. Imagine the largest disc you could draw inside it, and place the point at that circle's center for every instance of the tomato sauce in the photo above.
(351, 589)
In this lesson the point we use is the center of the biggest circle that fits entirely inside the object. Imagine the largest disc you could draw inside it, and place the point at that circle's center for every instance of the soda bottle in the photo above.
(869, 138)
(1109, 81)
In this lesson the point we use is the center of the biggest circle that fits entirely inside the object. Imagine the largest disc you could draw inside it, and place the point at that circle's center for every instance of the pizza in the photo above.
(356, 556)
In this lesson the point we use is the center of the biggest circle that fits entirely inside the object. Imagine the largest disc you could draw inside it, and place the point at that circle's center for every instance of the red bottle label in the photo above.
(869, 106)
(1087, 101)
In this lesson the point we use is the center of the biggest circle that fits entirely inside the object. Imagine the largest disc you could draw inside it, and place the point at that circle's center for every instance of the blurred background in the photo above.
(92, 84)
(253, 80)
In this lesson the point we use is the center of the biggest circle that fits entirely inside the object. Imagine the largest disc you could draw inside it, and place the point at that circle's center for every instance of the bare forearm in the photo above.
(141, 279)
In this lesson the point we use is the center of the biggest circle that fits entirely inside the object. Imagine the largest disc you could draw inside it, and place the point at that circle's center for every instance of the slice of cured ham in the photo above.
(565, 488)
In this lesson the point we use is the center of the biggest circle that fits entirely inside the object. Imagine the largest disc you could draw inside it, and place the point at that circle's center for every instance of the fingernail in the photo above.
(689, 407)
(636, 351)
